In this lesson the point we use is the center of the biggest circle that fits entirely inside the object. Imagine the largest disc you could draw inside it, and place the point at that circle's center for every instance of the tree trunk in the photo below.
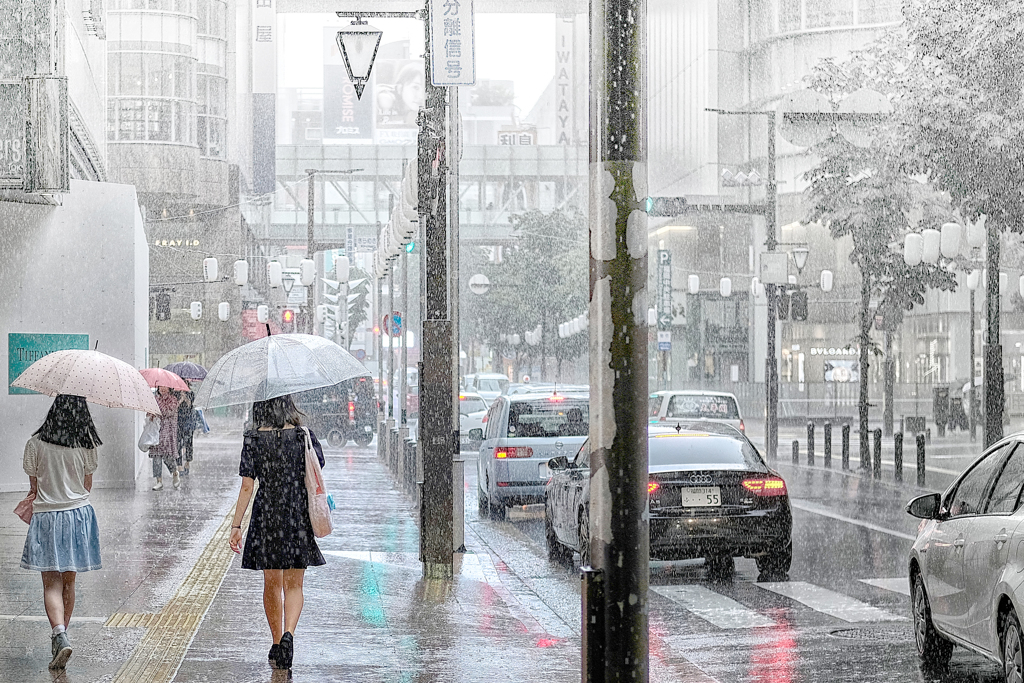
(890, 381)
(865, 341)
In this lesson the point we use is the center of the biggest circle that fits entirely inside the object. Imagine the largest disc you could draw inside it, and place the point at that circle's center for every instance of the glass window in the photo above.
(471, 404)
(582, 458)
(548, 417)
(789, 15)
(702, 449)
(654, 406)
(159, 117)
(1006, 492)
(970, 492)
(127, 73)
(878, 11)
(494, 420)
(824, 13)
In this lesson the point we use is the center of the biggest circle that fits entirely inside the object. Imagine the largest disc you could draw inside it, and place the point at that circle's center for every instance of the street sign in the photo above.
(479, 284)
(393, 324)
(664, 340)
(452, 43)
(664, 292)
(774, 268)
(664, 321)
(809, 132)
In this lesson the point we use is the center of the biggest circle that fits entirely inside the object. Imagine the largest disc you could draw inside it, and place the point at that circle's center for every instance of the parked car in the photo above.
(472, 409)
(489, 385)
(342, 412)
(521, 434)
(717, 406)
(711, 495)
(967, 565)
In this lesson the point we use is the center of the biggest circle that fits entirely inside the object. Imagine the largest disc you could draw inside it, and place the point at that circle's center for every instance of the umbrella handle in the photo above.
(268, 329)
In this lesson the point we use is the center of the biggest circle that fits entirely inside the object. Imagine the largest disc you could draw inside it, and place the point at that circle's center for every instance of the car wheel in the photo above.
(363, 438)
(720, 567)
(933, 650)
(495, 511)
(482, 506)
(556, 551)
(774, 565)
(335, 439)
(584, 533)
(1013, 666)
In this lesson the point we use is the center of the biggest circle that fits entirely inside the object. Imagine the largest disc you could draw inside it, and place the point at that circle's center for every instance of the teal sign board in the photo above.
(25, 349)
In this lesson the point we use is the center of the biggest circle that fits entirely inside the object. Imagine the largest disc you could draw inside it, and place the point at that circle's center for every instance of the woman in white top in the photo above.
(63, 537)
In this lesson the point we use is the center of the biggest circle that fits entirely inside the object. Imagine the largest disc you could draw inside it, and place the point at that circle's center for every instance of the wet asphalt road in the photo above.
(844, 615)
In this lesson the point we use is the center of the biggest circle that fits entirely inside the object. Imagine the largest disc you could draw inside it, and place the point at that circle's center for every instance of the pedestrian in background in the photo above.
(280, 540)
(186, 430)
(166, 452)
(63, 536)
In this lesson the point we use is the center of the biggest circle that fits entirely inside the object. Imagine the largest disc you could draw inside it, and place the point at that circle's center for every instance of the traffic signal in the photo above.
(783, 304)
(288, 316)
(162, 306)
(410, 247)
(799, 305)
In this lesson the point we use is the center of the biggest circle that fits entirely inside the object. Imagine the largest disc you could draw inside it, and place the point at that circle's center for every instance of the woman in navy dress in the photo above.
(280, 540)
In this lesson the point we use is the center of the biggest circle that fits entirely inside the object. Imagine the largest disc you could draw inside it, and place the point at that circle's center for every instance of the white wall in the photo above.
(78, 268)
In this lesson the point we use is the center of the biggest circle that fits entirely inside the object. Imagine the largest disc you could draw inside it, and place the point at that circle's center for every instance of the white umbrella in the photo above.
(95, 376)
(274, 366)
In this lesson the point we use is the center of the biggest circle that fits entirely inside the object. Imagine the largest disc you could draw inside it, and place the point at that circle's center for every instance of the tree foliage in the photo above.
(541, 280)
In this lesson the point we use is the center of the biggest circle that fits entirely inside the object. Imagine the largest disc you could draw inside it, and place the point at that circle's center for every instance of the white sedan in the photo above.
(472, 408)
(967, 565)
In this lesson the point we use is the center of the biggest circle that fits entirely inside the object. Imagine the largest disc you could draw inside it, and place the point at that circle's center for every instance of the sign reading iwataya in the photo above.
(25, 349)
(452, 45)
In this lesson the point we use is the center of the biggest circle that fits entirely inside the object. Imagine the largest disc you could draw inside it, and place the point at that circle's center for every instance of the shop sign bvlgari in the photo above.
(834, 351)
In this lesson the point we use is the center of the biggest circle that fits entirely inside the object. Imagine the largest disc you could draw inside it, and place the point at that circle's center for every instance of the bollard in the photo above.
(878, 453)
(810, 444)
(920, 460)
(828, 445)
(897, 454)
(846, 447)
(796, 452)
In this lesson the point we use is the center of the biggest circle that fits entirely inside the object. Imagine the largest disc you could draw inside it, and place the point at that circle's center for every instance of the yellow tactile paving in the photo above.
(168, 633)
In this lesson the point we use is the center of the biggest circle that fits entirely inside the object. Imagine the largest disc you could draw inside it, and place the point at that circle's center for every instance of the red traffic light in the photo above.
(287, 316)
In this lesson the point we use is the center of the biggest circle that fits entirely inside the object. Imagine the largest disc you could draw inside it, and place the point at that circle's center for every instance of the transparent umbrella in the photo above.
(274, 366)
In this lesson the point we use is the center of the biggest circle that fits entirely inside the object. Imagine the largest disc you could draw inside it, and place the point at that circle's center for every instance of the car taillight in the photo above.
(743, 427)
(351, 410)
(652, 487)
(484, 421)
(772, 486)
(513, 452)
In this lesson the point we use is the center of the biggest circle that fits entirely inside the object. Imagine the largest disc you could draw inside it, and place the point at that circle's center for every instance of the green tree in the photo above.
(869, 195)
(541, 280)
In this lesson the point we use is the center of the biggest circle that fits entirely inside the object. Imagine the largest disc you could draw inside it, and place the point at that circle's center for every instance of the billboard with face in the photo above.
(399, 95)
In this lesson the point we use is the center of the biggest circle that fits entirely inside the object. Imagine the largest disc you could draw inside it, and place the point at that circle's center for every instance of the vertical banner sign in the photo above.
(452, 43)
(664, 289)
(25, 349)
(264, 94)
(347, 118)
(564, 110)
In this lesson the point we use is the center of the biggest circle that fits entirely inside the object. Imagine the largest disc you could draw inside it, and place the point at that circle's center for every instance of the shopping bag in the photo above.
(150, 435)
(24, 508)
(316, 491)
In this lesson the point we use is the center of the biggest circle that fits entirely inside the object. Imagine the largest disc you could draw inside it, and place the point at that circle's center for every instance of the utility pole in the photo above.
(972, 394)
(310, 204)
(436, 440)
(617, 649)
(771, 363)
(993, 348)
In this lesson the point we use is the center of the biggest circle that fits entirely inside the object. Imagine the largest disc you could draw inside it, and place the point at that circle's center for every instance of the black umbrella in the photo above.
(187, 370)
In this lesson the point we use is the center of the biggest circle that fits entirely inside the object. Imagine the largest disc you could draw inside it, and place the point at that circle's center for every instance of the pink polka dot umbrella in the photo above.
(97, 377)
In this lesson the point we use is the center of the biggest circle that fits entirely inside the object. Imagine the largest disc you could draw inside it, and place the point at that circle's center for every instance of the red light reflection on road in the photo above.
(773, 660)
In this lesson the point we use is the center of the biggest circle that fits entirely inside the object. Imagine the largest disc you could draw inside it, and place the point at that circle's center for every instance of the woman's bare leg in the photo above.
(274, 601)
(53, 598)
(68, 595)
(292, 598)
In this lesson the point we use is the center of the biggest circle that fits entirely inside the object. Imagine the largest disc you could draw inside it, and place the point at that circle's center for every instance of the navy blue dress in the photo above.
(280, 533)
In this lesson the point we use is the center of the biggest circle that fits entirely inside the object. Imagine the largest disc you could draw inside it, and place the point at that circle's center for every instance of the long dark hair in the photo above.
(276, 413)
(69, 424)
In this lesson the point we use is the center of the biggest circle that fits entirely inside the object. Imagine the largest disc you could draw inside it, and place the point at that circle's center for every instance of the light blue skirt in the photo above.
(66, 541)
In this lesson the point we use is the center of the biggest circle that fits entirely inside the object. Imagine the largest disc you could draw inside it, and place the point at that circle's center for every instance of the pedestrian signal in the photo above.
(798, 306)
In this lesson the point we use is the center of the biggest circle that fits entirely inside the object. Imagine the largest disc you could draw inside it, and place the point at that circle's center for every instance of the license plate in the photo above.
(700, 496)
(542, 471)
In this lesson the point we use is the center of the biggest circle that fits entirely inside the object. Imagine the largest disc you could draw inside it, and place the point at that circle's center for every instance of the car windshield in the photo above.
(471, 404)
(499, 385)
(702, 406)
(548, 417)
(690, 448)
(654, 405)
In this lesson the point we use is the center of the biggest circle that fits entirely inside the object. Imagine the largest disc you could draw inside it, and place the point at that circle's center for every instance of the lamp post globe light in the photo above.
(358, 43)
(800, 257)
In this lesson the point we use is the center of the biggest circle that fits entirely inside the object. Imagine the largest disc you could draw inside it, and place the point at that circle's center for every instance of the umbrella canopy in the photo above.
(187, 370)
(156, 377)
(97, 377)
(274, 366)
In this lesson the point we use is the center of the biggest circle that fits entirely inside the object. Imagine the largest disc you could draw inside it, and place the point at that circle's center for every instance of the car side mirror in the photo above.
(925, 507)
(476, 434)
(558, 463)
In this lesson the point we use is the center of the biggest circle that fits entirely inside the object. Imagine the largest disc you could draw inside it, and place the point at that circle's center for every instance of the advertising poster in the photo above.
(842, 371)
(346, 117)
(25, 349)
(399, 94)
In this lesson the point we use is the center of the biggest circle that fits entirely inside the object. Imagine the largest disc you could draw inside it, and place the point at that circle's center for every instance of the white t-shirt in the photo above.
(60, 474)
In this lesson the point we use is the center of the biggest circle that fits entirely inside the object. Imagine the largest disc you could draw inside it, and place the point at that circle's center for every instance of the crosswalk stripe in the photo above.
(713, 607)
(829, 602)
(901, 585)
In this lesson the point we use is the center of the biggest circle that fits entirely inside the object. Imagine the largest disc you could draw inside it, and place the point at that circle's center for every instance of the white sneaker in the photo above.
(176, 481)
(159, 485)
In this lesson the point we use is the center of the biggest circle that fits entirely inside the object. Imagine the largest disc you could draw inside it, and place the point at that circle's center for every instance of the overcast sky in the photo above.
(516, 47)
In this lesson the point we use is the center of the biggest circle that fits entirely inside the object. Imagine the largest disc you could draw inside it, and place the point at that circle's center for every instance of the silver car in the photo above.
(967, 565)
(521, 434)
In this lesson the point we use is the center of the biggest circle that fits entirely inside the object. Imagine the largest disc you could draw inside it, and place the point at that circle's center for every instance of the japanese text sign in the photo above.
(452, 47)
